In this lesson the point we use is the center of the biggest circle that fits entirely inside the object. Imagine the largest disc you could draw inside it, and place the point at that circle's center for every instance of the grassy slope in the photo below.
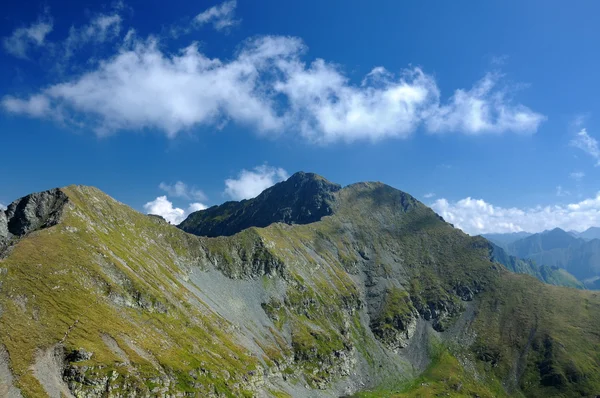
(537, 338)
(445, 376)
(67, 278)
(71, 275)
(558, 329)
(57, 288)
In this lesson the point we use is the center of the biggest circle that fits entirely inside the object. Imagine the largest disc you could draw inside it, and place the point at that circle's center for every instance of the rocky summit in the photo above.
(302, 199)
(308, 290)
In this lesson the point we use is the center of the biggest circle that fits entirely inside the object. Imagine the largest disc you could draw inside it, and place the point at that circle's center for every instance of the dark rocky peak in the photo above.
(301, 199)
(32, 212)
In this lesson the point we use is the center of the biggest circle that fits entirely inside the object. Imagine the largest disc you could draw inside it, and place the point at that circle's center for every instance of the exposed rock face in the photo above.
(35, 211)
(302, 199)
(7, 389)
(249, 260)
(3, 226)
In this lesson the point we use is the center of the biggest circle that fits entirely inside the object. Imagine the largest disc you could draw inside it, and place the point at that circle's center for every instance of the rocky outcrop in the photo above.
(248, 259)
(7, 388)
(301, 199)
(32, 212)
(3, 226)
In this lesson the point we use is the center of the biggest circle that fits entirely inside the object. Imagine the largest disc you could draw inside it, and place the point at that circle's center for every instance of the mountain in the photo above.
(558, 248)
(547, 241)
(379, 296)
(301, 199)
(503, 240)
(306, 198)
(590, 233)
(551, 275)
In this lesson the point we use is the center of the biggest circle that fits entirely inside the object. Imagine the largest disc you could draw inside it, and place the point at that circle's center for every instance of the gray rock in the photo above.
(301, 199)
(465, 293)
(78, 355)
(32, 212)
(3, 226)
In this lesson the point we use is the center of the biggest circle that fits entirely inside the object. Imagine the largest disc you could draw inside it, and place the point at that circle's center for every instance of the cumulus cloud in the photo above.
(327, 107)
(143, 88)
(577, 175)
(250, 183)
(103, 27)
(22, 39)
(588, 144)
(476, 216)
(164, 207)
(268, 87)
(220, 16)
(429, 195)
(182, 190)
(483, 110)
(196, 207)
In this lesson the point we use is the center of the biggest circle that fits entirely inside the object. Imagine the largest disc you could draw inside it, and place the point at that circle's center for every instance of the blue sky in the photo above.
(487, 111)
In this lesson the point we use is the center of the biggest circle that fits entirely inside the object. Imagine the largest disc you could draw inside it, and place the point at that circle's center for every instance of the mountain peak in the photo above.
(556, 230)
(301, 199)
(590, 233)
(302, 175)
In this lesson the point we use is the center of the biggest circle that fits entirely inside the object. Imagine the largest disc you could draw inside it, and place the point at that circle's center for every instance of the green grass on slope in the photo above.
(544, 340)
(444, 376)
(539, 339)
(61, 284)
(559, 277)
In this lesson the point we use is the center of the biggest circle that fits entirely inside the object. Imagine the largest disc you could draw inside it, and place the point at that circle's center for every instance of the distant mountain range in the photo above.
(590, 233)
(578, 253)
(548, 274)
(505, 239)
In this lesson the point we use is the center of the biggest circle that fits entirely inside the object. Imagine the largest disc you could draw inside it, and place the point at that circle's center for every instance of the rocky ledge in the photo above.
(30, 213)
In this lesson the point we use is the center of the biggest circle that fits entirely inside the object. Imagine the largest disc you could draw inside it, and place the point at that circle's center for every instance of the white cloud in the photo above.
(163, 207)
(429, 195)
(220, 16)
(476, 216)
(36, 106)
(266, 86)
(196, 207)
(250, 184)
(22, 39)
(143, 88)
(2, 206)
(328, 108)
(588, 144)
(577, 175)
(101, 28)
(483, 110)
(181, 190)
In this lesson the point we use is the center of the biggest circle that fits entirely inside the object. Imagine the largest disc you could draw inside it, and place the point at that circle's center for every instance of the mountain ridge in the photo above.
(375, 294)
(558, 248)
(307, 198)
